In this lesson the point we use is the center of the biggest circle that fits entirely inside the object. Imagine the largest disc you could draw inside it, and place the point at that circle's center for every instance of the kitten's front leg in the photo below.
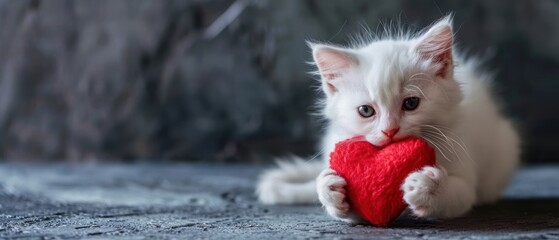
(332, 194)
(431, 192)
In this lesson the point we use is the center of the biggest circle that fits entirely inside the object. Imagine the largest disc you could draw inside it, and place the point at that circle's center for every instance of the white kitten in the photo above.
(394, 88)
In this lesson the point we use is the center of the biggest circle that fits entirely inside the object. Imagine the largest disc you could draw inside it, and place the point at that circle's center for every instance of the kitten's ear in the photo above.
(332, 63)
(436, 44)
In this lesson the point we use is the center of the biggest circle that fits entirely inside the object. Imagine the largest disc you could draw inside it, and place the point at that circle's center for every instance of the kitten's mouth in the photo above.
(386, 141)
(382, 144)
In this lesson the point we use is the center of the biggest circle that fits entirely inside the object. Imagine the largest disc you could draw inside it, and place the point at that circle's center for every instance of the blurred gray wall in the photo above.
(222, 80)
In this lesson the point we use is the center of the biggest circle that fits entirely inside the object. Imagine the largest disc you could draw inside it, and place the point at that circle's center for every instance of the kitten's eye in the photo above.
(410, 103)
(366, 111)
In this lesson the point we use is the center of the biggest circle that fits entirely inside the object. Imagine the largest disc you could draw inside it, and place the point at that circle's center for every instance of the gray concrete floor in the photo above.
(197, 201)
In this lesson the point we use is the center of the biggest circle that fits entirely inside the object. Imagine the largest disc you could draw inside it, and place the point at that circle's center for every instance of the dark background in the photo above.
(222, 80)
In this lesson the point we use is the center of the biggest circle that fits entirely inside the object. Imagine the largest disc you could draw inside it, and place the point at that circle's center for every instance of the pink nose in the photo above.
(391, 132)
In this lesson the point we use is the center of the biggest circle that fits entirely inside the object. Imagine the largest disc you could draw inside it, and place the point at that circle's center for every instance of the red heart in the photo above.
(374, 175)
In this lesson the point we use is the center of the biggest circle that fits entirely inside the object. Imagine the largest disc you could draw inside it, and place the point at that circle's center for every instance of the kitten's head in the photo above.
(390, 89)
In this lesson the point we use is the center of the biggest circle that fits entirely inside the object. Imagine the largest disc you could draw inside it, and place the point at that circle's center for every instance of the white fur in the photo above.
(290, 183)
(477, 147)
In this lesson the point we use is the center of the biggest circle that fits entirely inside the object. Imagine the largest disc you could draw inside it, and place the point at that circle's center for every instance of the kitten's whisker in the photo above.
(315, 156)
(449, 130)
(432, 142)
(460, 142)
(319, 153)
(421, 79)
(449, 146)
(463, 150)
(419, 74)
(419, 89)
(415, 77)
(441, 139)
(461, 145)
(439, 131)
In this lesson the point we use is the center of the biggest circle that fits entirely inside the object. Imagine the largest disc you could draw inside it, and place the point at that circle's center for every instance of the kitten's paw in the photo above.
(332, 194)
(421, 188)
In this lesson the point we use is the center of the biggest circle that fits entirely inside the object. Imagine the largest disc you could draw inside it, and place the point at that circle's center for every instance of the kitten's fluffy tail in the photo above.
(292, 182)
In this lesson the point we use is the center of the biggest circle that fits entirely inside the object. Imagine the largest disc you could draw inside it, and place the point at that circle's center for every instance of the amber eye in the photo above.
(366, 111)
(410, 103)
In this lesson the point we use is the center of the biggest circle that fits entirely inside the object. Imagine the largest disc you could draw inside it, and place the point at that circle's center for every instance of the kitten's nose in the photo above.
(391, 132)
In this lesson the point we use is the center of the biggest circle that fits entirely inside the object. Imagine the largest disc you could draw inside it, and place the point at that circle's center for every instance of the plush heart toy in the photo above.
(374, 175)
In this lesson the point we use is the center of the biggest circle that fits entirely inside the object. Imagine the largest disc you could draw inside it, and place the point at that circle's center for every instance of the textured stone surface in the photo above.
(165, 79)
(217, 202)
